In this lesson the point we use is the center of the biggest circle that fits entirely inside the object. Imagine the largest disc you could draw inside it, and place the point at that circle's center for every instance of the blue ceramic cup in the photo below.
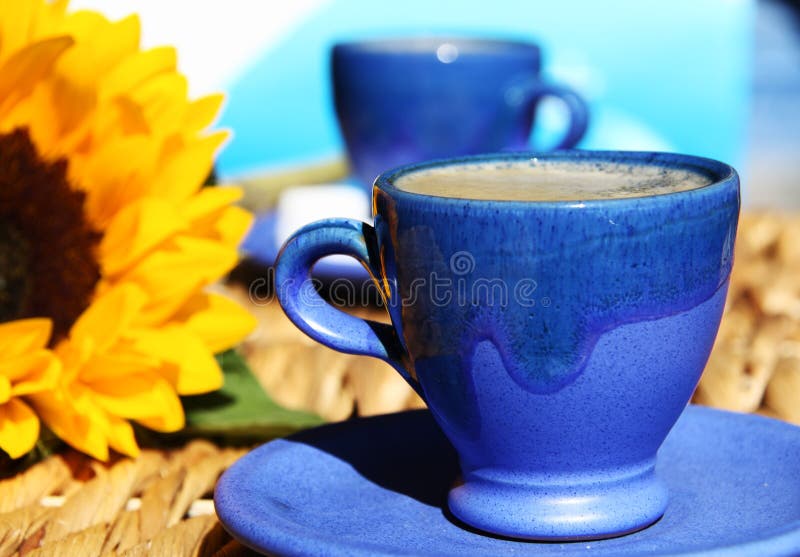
(403, 101)
(555, 342)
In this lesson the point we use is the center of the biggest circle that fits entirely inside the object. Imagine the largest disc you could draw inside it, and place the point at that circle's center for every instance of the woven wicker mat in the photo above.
(160, 504)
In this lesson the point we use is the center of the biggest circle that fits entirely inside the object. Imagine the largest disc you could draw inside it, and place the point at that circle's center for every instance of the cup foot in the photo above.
(589, 508)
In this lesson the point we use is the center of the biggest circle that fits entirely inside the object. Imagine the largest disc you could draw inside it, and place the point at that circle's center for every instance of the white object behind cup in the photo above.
(300, 205)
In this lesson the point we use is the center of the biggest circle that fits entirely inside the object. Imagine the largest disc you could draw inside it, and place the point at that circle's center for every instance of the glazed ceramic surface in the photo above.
(378, 486)
(405, 101)
(558, 394)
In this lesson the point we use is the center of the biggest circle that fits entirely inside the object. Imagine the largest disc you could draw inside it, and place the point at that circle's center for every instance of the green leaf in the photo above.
(241, 410)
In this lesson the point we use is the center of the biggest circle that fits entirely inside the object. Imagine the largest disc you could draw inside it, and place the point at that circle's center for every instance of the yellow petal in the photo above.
(76, 91)
(114, 176)
(116, 364)
(23, 336)
(5, 389)
(121, 437)
(165, 423)
(141, 397)
(73, 354)
(220, 322)
(30, 373)
(108, 43)
(15, 24)
(73, 422)
(172, 276)
(135, 230)
(84, 23)
(43, 376)
(19, 428)
(100, 47)
(232, 226)
(184, 173)
(129, 118)
(210, 202)
(163, 99)
(202, 112)
(212, 216)
(138, 69)
(38, 114)
(108, 316)
(19, 367)
(27, 67)
(50, 18)
(188, 364)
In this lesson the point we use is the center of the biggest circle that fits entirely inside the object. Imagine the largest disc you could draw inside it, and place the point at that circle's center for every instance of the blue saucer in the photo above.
(377, 486)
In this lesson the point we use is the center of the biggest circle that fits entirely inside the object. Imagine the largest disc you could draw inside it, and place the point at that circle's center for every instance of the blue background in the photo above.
(670, 76)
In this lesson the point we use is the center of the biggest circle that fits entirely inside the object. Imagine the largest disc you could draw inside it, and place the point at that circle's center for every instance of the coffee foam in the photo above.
(551, 180)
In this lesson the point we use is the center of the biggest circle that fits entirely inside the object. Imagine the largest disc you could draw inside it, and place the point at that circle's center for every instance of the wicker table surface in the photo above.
(160, 505)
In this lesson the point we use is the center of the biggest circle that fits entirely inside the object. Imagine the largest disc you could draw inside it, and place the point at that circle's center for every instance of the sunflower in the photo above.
(106, 233)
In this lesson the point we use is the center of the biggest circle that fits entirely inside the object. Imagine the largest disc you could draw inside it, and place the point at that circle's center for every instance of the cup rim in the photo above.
(720, 174)
(428, 44)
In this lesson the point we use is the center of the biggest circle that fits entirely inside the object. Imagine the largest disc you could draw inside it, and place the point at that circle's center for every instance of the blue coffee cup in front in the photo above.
(555, 311)
(401, 101)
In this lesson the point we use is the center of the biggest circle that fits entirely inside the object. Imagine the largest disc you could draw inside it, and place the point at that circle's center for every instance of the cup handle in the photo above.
(318, 319)
(578, 111)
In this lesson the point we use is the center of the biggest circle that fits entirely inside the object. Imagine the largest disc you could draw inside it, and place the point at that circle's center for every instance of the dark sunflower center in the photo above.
(48, 265)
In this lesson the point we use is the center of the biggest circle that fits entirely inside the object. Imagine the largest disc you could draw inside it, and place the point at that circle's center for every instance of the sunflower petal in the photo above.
(24, 335)
(232, 226)
(212, 216)
(38, 114)
(141, 397)
(75, 87)
(121, 437)
(135, 230)
(50, 18)
(108, 42)
(43, 379)
(15, 24)
(115, 176)
(188, 364)
(165, 424)
(71, 421)
(201, 113)
(116, 364)
(184, 173)
(31, 373)
(108, 316)
(27, 67)
(138, 69)
(212, 219)
(19, 428)
(23, 366)
(126, 118)
(164, 100)
(84, 23)
(170, 277)
(5, 389)
(209, 202)
(220, 322)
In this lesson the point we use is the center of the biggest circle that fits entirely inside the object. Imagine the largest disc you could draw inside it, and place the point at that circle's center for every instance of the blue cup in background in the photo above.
(555, 342)
(401, 101)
